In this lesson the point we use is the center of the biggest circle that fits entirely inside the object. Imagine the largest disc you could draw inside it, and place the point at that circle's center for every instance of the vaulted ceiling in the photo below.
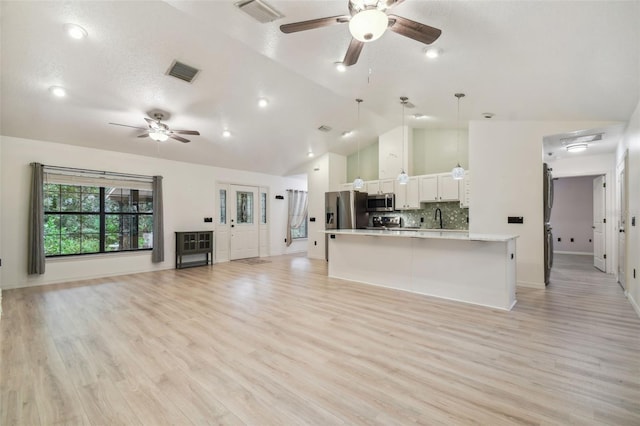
(520, 60)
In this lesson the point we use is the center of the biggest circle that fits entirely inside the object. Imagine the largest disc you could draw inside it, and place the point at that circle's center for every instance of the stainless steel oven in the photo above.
(381, 202)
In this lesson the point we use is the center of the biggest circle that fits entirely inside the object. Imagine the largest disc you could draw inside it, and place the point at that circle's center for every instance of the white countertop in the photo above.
(439, 234)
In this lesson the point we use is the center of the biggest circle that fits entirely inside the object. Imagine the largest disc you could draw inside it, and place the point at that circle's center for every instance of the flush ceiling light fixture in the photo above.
(458, 172)
(310, 154)
(57, 91)
(347, 133)
(577, 147)
(358, 183)
(226, 133)
(263, 102)
(368, 25)
(403, 177)
(75, 31)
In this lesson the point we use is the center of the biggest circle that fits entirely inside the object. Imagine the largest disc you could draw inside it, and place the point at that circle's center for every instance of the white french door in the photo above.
(244, 222)
(599, 209)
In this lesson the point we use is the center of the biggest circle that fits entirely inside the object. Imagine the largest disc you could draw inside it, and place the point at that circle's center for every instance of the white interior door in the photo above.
(622, 222)
(244, 222)
(599, 194)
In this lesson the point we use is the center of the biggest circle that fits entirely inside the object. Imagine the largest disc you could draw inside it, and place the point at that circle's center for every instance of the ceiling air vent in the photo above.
(324, 128)
(182, 71)
(259, 10)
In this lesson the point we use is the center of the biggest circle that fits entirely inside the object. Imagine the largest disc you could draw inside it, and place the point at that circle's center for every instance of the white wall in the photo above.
(631, 142)
(436, 150)
(572, 215)
(325, 173)
(390, 151)
(189, 196)
(596, 165)
(506, 159)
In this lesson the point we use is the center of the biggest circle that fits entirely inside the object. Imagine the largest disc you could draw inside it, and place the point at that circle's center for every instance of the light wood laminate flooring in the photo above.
(280, 343)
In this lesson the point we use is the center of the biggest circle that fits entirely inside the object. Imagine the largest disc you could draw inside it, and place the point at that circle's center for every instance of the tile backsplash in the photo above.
(453, 216)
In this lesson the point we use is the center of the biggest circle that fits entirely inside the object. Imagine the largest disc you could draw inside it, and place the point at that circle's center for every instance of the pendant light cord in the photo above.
(359, 101)
(403, 101)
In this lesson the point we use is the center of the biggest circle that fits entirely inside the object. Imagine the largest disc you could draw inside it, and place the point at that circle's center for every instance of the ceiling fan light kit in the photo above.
(159, 131)
(158, 136)
(368, 25)
(433, 53)
(368, 22)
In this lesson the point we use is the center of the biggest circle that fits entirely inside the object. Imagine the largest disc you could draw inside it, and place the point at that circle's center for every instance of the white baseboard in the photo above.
(635, 305)
(580, 253)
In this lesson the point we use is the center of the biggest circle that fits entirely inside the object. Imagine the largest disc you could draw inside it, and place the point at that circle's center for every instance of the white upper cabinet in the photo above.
(380, 186)
(428, 188)
(448, 188)
(465, 189)
(436, 188)
(408, 196)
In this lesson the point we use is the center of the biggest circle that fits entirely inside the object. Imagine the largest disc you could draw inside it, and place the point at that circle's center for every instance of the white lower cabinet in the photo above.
(408, 196)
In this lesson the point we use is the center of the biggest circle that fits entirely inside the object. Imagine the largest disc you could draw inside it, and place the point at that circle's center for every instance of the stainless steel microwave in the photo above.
(381, 202)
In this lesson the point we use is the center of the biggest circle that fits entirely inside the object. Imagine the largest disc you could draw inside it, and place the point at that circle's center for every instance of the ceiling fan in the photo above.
(368, 20)
(159, 131)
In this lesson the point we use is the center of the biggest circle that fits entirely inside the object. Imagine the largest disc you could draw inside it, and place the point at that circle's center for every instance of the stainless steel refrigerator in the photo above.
(548, 234)
(345, 210)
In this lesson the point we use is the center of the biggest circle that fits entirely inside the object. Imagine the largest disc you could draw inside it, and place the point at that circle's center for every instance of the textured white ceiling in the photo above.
(521, 60)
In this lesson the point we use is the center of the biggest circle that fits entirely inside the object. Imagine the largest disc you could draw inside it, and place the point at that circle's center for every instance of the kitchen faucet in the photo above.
(438, 215)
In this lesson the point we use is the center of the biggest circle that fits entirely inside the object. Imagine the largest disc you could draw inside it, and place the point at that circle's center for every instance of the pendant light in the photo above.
(358, 183)
(458, 172)
(403, 177)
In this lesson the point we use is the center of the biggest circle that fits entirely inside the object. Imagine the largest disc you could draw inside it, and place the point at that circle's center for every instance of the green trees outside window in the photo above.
(88, 219)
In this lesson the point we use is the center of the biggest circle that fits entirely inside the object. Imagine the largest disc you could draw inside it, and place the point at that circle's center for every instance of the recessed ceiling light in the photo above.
(310, 154)
(58, 91)
(577, 147)
(433, 53)
(75, 31)
(420, 116)
(262, 102)
(226, 133)
(340, 66)
(347, 133)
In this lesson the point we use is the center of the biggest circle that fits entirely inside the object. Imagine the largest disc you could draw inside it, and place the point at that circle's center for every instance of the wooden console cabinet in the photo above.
(194, 249)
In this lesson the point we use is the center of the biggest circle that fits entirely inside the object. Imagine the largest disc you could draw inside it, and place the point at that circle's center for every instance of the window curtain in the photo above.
(35, 257)
(298, 204)
(157, 255)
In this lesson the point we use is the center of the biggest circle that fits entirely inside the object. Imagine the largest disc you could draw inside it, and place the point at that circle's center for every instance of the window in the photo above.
(244, 207)
(91, 219)
(301, 231)
(263, 208)
(223, 206)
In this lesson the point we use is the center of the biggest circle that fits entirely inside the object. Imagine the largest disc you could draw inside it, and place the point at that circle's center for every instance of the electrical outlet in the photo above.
(315, 243)
(559, 239)
(422, 220)
(572, 240)
(589, 239)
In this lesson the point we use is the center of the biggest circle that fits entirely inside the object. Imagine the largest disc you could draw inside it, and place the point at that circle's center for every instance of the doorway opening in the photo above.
(578, 217)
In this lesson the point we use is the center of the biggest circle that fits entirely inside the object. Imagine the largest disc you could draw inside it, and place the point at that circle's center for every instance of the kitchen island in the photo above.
(455, 265)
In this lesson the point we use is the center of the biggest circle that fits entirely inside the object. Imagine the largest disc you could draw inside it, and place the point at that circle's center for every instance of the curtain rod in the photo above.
(96, 172)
